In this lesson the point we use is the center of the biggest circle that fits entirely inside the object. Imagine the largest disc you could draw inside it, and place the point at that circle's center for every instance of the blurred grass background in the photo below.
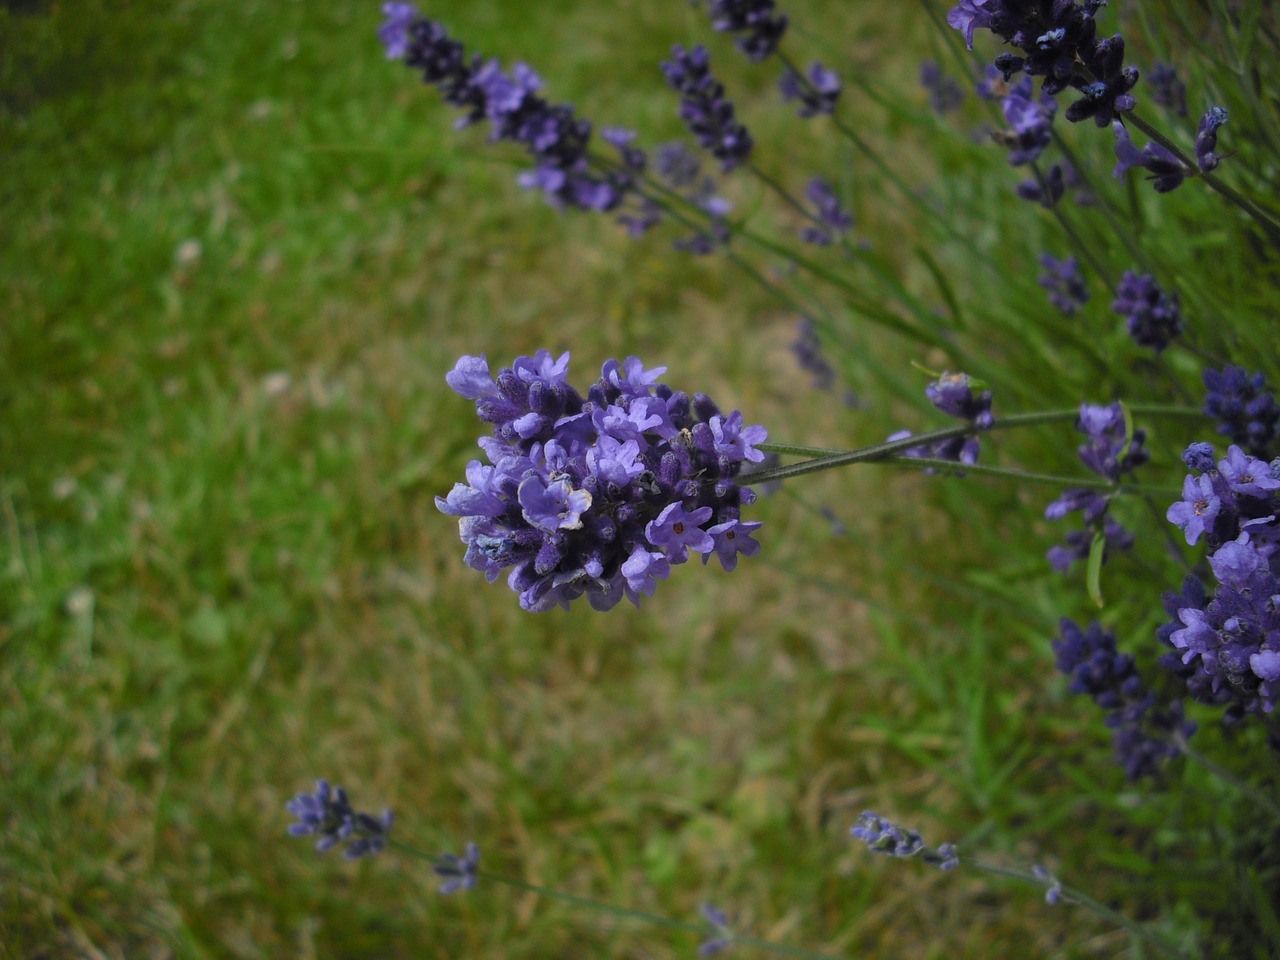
(238, 252)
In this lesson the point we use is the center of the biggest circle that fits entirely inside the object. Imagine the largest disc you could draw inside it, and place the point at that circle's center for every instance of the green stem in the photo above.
(1082, 899)
(656, 920)
(1226, 776)
(1245, 204)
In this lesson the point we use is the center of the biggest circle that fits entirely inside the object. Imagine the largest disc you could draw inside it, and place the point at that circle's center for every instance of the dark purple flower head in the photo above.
(706, 113)
(1207, 138)
(1167, 89)
(458, 873)
(759, 29)
(1109, 451)
(1246, 410)
(597, 496)
(328, 813)
(1065, 283)
(815, 93)
(1144, 736)
(1153, 316)
(945, 94)
(959, 395)
(1167, 171)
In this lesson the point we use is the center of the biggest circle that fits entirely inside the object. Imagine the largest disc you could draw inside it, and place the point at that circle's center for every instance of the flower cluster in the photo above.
(598, 496)
(1144, 736)
(1111, 453)
(705, 110)
(1227, 647)
(1245, 409)
(1030, 122)
(457, 872)
(832, 219)
(1065, 283)
(1057, 41)
(885, 837)
(1152, 316)
(1207, 138)
(556, 140)
(329, 813)
(816, 93)
(945, 94)
(960, 396)
(759, 29)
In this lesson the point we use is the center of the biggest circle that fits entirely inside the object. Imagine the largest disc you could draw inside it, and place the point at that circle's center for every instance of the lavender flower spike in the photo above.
(597, 496)
(328, 812)
(817, 93)
(1152, 315)
(885, 837)
(707, 114)
(458, 873)
(1207, 138)
(759, 29)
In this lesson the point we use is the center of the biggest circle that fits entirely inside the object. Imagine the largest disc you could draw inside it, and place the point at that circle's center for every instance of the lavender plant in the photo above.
(600, 494)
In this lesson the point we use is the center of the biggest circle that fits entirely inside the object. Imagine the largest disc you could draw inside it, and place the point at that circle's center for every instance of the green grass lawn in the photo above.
(239, 250)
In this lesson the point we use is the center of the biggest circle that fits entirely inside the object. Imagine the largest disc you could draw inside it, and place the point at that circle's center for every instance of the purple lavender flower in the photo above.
(721, 936)
(1144, 736)
(1167, 171)
(1065, 283)
(807, 349)
(597, 496)
(1111, 453)
(458, 873)
(1045, 190)
(957, 395)
(1227, 647)
(1167, 89)
(1152, 315)
(835, 220)
(885, 837)
(759, 28)
(555, 139)
(328, 812)
(1053, 886)
(1057, 41)
(1246, 410)
(816, 93)
(706, 113)
(1030, 123)
(1207, 138)
(945, 94)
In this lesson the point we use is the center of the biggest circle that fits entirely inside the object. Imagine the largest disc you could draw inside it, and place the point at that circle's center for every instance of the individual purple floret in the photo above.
(1065, 283)
(1056, 41)
(959, 396)
(328, 812)
(758, 28)
(706, 113)
(885, 837)
(1167, 171)
(1030, 122)
(815, 93)
(833, 219)
(720, 937)
(1227, 647)
(598, 496)
(1112, 454)
(458, 873)
(1167, 89)
(555, 139)
(945, 94)
(1144, 736)
(1053, 886)
(1207, 138)
(1152, 316)
(1245, 409)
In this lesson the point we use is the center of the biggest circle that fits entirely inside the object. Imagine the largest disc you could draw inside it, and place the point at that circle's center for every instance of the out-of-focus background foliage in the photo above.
(238, 252)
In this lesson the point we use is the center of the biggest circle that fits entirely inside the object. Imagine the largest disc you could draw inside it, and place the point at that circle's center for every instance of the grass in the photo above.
(241, 250)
